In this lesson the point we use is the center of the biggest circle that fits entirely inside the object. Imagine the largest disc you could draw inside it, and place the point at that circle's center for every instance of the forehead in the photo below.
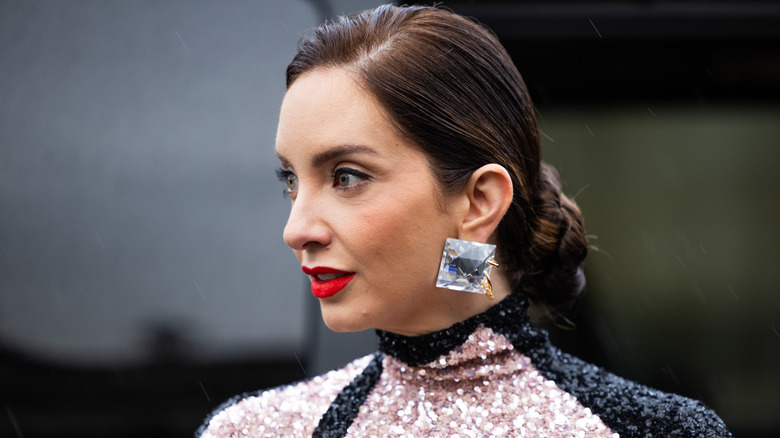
(329, 105)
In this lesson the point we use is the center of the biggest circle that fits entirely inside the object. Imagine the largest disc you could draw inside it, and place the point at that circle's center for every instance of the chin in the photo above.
(341, 326)
(342, 322)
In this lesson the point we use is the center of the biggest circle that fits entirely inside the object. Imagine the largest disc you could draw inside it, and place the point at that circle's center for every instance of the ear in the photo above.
(489, 194)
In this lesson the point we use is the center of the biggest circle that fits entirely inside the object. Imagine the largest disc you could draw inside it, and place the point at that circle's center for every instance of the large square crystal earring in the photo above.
(466, 266)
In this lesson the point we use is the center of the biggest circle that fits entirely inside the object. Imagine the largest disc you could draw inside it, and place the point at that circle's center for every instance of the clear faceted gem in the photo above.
(464, 264)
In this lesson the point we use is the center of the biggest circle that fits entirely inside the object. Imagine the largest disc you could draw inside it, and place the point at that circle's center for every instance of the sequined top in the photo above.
(493, 375)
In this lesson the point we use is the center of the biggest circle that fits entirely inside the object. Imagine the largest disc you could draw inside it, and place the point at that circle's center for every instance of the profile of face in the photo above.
(401, 127)
(366, 220)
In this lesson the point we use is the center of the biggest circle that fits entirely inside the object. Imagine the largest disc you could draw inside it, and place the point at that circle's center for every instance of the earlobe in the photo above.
(489, 192)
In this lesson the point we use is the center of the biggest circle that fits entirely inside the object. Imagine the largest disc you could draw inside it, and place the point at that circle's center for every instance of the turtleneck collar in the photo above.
(508, 317)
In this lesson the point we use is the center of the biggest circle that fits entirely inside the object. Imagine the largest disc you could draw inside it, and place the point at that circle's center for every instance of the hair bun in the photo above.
(557, 245)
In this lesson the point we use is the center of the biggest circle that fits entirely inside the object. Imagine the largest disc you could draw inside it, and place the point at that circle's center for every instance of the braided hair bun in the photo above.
(556, 247)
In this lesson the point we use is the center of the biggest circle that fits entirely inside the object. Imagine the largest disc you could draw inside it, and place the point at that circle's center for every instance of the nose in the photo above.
(306, 225)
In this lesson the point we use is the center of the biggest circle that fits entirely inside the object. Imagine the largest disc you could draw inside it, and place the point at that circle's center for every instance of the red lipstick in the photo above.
(327, 288)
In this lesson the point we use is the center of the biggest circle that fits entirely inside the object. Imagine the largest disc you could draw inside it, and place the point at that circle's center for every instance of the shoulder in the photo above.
(291, 409)
(632, 409)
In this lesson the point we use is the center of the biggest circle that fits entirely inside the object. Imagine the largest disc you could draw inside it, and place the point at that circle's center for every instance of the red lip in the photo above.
(325, 289)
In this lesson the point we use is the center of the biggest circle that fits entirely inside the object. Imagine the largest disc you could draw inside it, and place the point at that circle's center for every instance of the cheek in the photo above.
(376, 235)
(407, 236)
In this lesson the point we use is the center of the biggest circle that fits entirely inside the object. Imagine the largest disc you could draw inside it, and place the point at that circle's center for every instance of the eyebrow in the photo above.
(324, 156)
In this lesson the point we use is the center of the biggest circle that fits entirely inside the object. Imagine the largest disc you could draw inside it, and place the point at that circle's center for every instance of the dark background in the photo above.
(143, 279)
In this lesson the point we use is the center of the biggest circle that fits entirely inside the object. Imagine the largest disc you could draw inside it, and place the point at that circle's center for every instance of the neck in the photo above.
(450, 307)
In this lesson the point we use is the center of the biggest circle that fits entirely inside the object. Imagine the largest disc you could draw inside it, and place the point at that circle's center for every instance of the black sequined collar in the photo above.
(510, 314)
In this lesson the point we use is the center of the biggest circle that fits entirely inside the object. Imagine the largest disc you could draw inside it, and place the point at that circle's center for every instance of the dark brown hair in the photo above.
(450, 88)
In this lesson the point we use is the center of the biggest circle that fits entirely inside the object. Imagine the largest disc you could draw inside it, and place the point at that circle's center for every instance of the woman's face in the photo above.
(365, 222)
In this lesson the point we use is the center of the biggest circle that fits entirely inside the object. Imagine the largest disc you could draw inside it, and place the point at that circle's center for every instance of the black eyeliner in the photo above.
(350, 171)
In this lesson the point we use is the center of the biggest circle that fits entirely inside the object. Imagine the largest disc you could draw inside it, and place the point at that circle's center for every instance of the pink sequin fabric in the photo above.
(483, 388)
(291, 411)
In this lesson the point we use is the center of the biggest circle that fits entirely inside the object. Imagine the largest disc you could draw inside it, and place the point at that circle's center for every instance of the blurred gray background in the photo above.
(141, 220)
(137, 177)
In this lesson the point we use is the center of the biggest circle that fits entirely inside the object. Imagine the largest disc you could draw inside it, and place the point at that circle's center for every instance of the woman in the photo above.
(409, 148)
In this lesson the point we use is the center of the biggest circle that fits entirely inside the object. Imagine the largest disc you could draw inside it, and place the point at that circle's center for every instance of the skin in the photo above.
(365, 201)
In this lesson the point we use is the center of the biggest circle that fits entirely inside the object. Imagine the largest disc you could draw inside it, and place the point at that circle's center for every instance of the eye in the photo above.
(347, 178)
(288, 177)
(292, 182)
